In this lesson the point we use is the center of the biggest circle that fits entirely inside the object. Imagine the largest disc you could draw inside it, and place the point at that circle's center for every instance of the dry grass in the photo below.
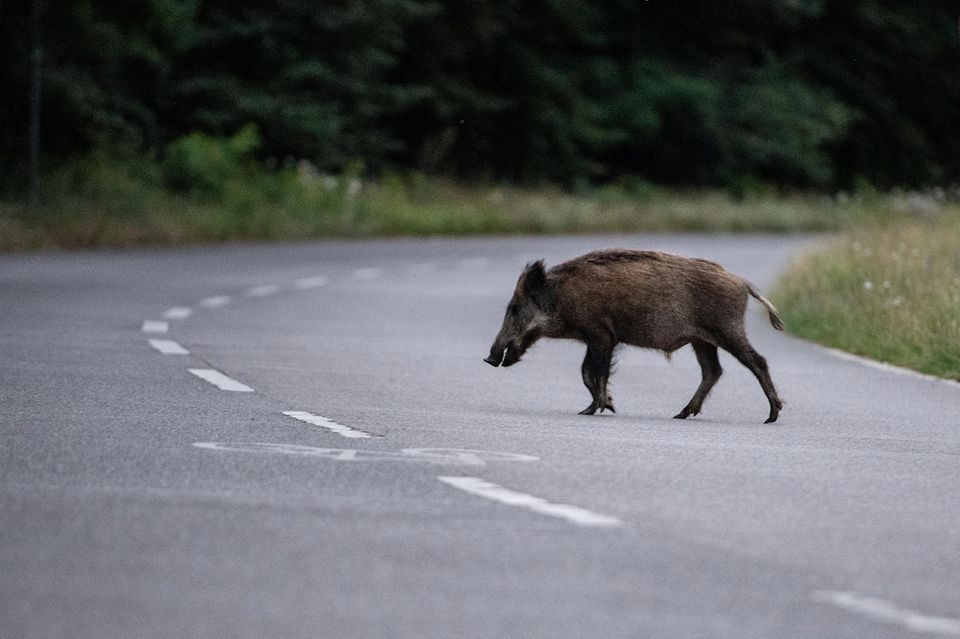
(891, 293)
(433, 206)
(121, 199)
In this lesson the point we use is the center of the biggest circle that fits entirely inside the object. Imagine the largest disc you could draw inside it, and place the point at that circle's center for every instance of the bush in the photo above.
(199, 163)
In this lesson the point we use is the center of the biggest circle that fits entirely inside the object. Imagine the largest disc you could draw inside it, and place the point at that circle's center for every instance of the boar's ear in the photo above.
(534, 277)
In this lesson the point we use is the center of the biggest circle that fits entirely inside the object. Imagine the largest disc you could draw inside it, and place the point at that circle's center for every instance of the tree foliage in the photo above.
(816, 93)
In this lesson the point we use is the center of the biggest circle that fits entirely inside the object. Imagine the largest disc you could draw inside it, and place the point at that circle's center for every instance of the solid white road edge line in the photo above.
(155, 326)
(220, 380)
(168, 347)
(329, 424)
(888, 612)
(883, 366)
(315, 281)
(177, 313)
(573, 514)
(215, 302)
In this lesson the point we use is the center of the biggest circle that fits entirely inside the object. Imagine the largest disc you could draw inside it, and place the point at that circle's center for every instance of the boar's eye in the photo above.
(513, 309)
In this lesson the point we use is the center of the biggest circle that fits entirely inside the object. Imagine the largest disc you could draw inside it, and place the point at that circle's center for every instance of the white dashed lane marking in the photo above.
(215, 302)
(178, 313)
(888, 612)
(425, 268)
(368, 273)
(155, 326)
(263, 290)
(329, 424)
(220, 380)
(474, 262)
(315, 281)
(440, 456)
(572, 514)
(168, 347)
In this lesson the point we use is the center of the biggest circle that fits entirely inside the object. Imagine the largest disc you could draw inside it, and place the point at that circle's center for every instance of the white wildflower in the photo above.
(353, 187)
(307, 169)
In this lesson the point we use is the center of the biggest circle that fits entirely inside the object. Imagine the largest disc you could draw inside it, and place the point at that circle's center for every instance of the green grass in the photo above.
(115, 199)
(889, 292)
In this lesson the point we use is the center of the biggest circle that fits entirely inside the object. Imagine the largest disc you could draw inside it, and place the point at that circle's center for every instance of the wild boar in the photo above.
(648, 299)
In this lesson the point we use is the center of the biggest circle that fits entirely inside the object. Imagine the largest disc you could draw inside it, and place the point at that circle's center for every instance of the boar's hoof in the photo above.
(594, 406)
(775, 407)
(589, 410)
(688, 410)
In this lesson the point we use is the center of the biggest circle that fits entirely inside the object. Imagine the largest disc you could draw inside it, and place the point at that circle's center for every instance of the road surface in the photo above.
(304, 441)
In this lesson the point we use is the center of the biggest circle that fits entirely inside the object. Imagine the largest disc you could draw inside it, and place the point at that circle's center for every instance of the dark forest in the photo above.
(802, 94)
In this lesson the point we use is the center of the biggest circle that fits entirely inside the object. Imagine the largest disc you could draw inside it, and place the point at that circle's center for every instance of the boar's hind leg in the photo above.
(710, 371)
(746, 355)
(595, 371)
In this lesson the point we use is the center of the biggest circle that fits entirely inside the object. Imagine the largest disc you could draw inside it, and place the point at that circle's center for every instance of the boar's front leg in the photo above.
(590, 381)
(710, 371)
(595, 371)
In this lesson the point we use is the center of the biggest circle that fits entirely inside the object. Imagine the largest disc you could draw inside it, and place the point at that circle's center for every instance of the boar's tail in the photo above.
(775, 318)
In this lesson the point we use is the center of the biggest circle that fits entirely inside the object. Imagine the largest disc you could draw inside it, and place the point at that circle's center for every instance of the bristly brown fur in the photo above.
(615, 256)
(649, 299)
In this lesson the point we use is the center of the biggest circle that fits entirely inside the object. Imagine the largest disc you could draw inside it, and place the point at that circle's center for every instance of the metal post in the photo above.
(35, 80)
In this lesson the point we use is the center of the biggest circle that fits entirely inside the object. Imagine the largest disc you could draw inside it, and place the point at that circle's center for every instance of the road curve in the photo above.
(304, 441)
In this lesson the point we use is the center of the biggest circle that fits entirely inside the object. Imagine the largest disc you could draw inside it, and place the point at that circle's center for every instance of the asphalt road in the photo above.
(138, 499)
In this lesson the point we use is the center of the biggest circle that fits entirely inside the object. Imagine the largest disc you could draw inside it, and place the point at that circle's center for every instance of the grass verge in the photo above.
(116, 199)
(889, 292)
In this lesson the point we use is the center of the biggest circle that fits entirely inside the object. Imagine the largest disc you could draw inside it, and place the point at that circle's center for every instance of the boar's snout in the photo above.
(511, 356)
(503, 355)
(496, 353)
